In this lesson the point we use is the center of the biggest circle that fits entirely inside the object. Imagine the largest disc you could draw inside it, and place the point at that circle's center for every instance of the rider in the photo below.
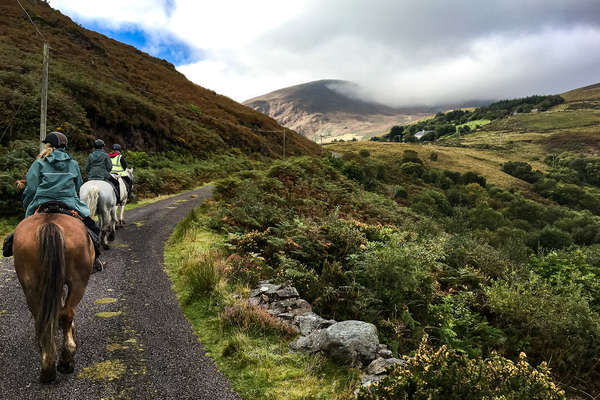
(98, 166)
(119, 167)
(55, 177)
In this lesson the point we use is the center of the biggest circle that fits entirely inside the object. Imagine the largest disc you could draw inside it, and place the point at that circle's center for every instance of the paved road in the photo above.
(148, 351)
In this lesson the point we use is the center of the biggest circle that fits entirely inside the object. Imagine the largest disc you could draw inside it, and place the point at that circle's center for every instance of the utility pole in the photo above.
(44, 101)
(284, 143)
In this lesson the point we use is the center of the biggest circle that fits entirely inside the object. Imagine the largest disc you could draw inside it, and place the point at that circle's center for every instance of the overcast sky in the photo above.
(402, 52)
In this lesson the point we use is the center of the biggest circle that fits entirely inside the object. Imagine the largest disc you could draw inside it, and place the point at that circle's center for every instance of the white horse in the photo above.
(124, 197)
(101, 200)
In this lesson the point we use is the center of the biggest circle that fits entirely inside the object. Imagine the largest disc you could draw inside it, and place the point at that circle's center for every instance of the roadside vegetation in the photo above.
(247, 343)
(484, 272)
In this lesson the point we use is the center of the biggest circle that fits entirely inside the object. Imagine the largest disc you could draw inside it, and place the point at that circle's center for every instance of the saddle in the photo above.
(56, 207)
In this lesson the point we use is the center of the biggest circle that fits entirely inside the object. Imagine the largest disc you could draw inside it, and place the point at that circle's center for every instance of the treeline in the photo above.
(444, 124)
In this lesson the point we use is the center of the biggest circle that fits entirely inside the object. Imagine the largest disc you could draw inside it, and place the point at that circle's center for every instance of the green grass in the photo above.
(473, 124)
(259, 366)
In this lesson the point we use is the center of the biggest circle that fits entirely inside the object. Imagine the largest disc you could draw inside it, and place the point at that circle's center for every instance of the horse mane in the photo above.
(52, 259)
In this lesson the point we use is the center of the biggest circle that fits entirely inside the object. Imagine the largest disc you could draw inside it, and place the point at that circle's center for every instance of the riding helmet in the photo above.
(62, 139)
(99, 143)
(116, 147)
(52, 139)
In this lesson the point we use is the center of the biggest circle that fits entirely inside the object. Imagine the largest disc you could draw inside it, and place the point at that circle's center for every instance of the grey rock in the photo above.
(385, 353)
(368, 380)
(265, 288)
(352, 343)
(301, 307)
(287, 292)
(309, 322)
(309, 344)
(379, 365)
(287, 316)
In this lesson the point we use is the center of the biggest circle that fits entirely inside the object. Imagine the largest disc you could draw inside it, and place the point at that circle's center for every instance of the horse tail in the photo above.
(93, 195)
(52, 259)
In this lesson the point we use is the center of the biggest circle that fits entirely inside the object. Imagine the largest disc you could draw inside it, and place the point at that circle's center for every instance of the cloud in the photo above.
(400, 52)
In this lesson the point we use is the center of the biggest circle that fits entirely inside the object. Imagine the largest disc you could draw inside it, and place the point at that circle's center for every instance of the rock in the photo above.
(383, 351)
(309, 344)
(287, 292)
(368, 380)
(309, 322)
(301, 307)
(265, 288)
(287, 316)
(352, 343)
(379, 365)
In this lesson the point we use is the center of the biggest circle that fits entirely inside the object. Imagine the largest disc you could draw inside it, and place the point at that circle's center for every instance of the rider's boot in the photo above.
(94, 232)
(7, 247)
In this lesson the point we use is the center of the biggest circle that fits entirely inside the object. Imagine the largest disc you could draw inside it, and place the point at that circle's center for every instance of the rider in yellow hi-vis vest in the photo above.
(119, 165)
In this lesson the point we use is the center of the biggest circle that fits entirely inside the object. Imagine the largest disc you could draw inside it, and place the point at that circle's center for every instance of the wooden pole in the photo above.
(44, 100)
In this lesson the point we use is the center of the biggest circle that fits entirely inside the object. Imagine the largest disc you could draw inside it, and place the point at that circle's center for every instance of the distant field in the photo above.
(487, 162)
(546, 121)
(473, 124)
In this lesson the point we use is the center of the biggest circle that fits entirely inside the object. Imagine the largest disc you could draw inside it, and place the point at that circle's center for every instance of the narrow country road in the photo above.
(133, 340)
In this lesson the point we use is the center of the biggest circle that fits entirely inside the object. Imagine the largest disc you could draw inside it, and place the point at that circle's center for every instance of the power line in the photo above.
(32, 23)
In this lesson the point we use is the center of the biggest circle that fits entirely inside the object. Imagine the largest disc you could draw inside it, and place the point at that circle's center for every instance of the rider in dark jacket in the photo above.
(55, 178)
(99, 166)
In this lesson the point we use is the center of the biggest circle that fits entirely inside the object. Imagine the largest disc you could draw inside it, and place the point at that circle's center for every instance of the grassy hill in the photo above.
(101, 87)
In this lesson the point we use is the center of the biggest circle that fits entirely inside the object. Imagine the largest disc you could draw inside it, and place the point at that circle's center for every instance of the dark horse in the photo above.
(53, 257)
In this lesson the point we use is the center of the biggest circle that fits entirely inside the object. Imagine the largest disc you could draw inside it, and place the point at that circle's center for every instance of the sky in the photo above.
(399, 52)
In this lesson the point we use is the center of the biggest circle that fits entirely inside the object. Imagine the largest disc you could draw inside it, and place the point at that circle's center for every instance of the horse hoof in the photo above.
(105, 246)
(48, 376)
(65, 368)
(111, 236)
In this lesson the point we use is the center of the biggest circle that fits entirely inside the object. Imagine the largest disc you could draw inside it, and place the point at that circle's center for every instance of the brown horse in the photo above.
(53, 256)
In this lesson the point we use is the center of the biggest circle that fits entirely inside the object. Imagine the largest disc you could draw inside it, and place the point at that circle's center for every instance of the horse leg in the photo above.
(121, 219)
(48, 368)
(66, 363)
(113, 223)
(102, 219)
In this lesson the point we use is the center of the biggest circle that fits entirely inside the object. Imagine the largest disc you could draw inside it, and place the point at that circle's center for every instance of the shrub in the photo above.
(433, 156)
(412, 168)
(200, 273)
(364, 153)
(522, 170)
(548, 323)
(411, 156)
(400, 192)
(254, 319)
(444, 374)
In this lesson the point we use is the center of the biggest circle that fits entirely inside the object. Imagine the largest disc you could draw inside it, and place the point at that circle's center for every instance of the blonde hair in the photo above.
(46, 152)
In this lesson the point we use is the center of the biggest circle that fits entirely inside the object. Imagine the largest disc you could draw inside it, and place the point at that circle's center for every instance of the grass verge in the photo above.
(258, 363)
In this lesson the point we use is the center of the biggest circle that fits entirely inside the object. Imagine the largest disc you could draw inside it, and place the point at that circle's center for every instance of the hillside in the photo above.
(101, 87)
(321, 108)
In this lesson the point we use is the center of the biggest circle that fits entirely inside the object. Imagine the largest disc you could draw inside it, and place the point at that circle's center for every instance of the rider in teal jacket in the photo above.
(54, 178)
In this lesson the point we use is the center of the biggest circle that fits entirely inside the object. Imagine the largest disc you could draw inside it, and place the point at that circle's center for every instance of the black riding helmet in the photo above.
(116, 147)
(52, 139)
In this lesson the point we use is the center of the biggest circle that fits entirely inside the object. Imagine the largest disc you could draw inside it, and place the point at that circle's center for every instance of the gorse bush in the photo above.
(443, 374)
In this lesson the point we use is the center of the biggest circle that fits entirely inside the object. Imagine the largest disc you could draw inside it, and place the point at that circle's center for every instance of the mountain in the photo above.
(332, 108)
(101, 87)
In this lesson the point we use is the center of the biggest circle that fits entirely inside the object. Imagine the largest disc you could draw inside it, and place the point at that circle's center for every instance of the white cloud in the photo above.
(402, 52)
